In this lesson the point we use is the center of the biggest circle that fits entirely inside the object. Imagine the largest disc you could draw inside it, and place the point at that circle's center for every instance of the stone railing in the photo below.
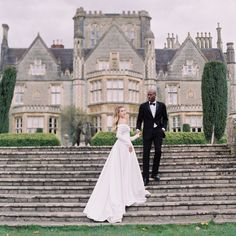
(183, 108)
(231, 133)
(96, 73)
(36, 108)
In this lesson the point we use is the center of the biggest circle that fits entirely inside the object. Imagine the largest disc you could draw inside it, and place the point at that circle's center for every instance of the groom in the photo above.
(153, 115)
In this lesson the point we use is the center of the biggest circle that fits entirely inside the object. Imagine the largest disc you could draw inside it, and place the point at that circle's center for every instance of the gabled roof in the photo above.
(104, 36)
(14, 54)
(188, 39)
(166, 56)
(65, 56)
(38, 37)
(213, 54)
(163, 58)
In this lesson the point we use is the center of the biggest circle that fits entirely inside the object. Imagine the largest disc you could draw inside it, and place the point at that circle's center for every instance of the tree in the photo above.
(72, 123)
(7, 86)
(214, 100)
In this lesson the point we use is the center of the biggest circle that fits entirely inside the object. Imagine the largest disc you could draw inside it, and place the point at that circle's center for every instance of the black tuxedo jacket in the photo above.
(145, 116)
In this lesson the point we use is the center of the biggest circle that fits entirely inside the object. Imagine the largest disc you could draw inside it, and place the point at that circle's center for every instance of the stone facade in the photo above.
(113, 61)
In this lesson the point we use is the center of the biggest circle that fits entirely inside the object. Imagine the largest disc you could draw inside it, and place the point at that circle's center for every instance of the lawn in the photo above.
(204, 229)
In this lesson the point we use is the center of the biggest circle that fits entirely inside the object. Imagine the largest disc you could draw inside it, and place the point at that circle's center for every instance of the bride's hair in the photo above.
(116, 117)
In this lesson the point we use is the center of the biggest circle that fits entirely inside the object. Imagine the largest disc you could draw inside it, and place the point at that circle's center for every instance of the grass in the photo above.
(203, 229)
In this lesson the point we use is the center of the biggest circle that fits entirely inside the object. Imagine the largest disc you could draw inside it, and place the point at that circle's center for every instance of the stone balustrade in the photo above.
(184, 108)
(36, 108)
(114, 72)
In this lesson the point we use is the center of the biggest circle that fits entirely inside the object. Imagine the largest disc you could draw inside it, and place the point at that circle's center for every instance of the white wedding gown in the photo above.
(120, 183)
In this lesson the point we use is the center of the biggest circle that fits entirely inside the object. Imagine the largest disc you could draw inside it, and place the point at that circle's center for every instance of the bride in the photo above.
(120, 183)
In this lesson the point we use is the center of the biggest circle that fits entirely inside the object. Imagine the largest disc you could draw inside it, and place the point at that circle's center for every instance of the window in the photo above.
(37, 68)
(97, 123)
(172, 94)
(133, 91)
(109, 122)
(52, 125)
(189, 69)
(103, 65)
(96, 91)
(33, 123)
(132, 122)
(94, 35)
(19, 93)
(176, 124)
(195, 123)
(115, 90)
(56, 95)
(18, 124)
(125, 65)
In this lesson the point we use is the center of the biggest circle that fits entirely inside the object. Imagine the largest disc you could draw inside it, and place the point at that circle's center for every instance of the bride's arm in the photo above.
(135, 137)
(123, 138)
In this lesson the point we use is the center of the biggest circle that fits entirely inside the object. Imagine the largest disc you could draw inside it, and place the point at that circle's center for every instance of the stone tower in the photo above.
(4, 46)
(150, 60)
(78, 60)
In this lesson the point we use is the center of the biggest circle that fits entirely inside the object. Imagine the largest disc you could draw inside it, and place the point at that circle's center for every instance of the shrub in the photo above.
(37, 139)
(39, 130)
(186, 128)
(172, 138)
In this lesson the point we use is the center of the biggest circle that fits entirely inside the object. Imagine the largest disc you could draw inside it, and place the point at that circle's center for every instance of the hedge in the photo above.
(36, 139)
(172, 138)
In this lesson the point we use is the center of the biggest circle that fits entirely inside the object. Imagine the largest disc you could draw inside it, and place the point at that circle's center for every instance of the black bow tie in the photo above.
(152, 103)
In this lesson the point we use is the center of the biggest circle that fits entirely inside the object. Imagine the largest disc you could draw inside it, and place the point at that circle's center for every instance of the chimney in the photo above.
(198, 40)
(219, 41)
(230, 53)
(202, 41)
(168, 40)
(206, 41)
(172, 41)
(57, 44)
(210, 40)
(5, 28)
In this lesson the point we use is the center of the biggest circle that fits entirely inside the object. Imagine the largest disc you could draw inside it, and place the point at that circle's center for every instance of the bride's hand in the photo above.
(130, 148)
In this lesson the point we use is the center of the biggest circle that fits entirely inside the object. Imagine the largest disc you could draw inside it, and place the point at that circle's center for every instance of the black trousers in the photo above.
(156, 137)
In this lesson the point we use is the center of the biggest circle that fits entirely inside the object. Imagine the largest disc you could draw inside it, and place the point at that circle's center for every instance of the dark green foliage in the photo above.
(172, 138)
(39, 130)
(103, 139)
(214, 99)
(73, 120)
(7, 85)
(186, 128)
(21, 140)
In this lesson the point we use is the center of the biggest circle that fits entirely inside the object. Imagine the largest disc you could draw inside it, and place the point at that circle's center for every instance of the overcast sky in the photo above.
(53, 18)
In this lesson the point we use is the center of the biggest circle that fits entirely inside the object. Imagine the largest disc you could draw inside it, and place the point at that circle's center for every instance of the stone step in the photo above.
(91, 181)
(157, 217)
(83, 198)
(101, 160)
(147, 206)
(98, 166)
(167, 148)
(58, 189)
(95, 174)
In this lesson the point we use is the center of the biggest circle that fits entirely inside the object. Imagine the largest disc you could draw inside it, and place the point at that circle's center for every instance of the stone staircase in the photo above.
(50, 186)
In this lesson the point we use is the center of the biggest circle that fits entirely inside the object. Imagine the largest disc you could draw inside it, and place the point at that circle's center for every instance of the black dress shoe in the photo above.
(156, 178)
(145, 181)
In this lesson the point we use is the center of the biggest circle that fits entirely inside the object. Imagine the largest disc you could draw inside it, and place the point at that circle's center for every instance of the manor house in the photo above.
(113, 61)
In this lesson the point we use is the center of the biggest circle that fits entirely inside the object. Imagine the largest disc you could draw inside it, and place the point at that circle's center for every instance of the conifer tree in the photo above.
(7, 85)
(214, 100)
